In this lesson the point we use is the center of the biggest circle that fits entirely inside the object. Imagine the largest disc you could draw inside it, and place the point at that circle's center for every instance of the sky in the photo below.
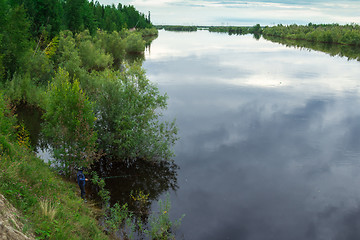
(246, 13)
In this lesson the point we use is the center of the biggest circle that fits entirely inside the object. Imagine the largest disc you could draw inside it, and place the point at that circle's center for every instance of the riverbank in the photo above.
(49, 206)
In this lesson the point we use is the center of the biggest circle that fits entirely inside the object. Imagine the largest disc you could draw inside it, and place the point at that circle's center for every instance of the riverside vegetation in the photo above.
(348, 34)
(334, 39)
(68, 59)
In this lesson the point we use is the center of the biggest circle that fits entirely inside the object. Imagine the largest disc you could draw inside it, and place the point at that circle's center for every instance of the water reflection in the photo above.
(269, 138)
(133, 57)
(31, 118)
(271, 169)
(350, 52)
(123, 179)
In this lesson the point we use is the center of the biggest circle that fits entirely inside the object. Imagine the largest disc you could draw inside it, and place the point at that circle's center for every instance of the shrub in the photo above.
(69, 122)
(135, 43)
(147, 32)
(39, 68)
(128, 107)
(67, 56)
(114, 44)
(93, 58)
(161, 227)
(22, 89)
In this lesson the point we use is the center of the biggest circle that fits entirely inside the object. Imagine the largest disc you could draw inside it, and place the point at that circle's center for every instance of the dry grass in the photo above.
(48, 209)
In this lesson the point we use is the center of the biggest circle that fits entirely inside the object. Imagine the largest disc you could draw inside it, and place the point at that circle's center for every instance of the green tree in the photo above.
(67, 56)
(129, 107)
(44, 14)
(113, 44)
(69, 123)
(3, 12)
(135, 43)
(93, 58)
(16, 40)
(75, 14)
(89, 18)
(2, 68)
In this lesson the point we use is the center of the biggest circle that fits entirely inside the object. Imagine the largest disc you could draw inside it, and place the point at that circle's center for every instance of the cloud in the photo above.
(249, 12)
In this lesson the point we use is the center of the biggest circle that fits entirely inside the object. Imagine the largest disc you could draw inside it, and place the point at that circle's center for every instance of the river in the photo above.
(269, 137)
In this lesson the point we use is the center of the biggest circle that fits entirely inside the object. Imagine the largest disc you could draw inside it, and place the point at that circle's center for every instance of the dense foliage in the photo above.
(78, 15)
(325, 33)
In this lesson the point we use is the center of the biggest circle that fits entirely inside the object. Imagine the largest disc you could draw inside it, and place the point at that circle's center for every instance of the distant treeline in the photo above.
(257, 29)
(324, 33)
(228, 29)
(177, 28)
(75, 15)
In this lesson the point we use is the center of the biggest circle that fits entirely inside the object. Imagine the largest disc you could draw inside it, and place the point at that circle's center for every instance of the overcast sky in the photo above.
(244, 13)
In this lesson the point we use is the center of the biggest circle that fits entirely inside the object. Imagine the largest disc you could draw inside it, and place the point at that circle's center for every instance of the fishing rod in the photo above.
(119, 176)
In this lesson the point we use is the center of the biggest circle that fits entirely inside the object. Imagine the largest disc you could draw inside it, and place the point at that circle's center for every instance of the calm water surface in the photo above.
(270, 137)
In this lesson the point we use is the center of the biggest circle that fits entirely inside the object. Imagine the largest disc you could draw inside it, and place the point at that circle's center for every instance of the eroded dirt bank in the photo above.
(10, 225)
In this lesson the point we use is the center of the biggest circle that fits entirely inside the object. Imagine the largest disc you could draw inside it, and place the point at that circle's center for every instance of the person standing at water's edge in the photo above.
(81, 181)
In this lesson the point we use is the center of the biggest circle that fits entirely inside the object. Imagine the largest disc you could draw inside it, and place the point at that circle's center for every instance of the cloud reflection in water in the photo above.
(260, 160)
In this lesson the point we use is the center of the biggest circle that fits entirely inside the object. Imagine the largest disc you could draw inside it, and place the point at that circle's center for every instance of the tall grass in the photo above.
(48, 209)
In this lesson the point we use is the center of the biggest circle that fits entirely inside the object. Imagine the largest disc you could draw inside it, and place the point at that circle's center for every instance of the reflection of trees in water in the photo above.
(31, 118)
(135, 57)
(350, 52)
(123, 179)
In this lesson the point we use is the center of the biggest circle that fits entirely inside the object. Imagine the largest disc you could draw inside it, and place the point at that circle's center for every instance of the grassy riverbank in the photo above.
(51, 207)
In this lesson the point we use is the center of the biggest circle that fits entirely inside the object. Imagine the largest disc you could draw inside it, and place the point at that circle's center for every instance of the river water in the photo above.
(269, 137)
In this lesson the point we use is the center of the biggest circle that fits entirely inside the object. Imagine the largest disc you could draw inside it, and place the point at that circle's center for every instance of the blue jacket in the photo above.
(80, 177)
